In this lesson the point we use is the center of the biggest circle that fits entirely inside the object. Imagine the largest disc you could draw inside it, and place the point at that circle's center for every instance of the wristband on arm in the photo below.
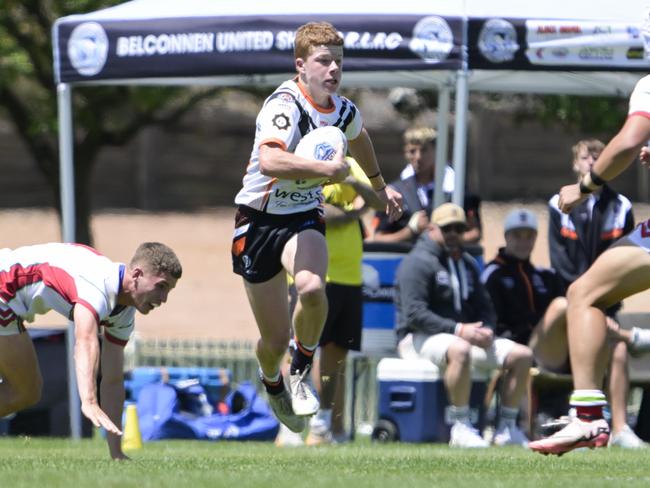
(377, 181)
(590, 182)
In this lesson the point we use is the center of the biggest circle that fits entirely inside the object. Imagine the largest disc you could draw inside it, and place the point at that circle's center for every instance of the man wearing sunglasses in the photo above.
(445, 315)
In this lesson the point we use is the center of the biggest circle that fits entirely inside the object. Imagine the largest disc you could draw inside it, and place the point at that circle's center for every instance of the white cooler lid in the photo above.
(396, 369)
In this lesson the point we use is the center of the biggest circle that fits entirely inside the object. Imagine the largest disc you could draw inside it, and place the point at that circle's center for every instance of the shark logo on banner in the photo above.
(88, 48)
(432, 39)
(497, 41)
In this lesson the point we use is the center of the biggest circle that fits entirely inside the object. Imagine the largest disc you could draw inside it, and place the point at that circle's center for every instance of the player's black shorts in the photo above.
(259, 239)
(343, 324)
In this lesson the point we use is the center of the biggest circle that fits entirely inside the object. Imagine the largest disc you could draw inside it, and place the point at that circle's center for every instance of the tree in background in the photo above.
(104, 116)
(590, 114)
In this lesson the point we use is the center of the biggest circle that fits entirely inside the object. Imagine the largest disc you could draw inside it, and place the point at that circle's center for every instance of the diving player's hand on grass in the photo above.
(99, 418)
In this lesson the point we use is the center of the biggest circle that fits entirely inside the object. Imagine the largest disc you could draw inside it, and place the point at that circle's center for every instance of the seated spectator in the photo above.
(531, 309)
(444, 314)
(417, 185)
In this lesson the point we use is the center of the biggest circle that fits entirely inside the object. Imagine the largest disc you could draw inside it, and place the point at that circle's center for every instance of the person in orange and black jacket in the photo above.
(521, 292)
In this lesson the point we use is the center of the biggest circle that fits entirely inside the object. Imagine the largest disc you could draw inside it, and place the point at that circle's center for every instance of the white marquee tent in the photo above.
(586, 47)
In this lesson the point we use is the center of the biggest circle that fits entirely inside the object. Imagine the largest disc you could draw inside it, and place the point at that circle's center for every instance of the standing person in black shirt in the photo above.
(576, 239)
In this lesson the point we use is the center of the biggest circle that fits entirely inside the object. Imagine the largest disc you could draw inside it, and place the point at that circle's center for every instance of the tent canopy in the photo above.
(552, 46)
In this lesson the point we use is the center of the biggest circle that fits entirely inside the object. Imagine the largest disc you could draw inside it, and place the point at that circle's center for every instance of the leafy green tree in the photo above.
(103, 116)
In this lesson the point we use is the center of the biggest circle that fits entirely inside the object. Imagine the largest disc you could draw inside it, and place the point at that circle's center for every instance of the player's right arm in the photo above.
(86, 356)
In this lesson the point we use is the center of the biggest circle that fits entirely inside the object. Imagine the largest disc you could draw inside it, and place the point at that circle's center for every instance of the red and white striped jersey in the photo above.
(287, 115)
(56, 276)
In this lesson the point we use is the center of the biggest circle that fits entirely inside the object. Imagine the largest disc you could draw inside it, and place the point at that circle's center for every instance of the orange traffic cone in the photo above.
(131, 438)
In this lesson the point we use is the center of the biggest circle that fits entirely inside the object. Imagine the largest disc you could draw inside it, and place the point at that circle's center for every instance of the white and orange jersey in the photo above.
(57, 276)
(287, 115)
(640, 98)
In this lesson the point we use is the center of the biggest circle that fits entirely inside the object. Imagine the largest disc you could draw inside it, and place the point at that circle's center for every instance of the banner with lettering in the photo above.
(546, 44)
(233, 45)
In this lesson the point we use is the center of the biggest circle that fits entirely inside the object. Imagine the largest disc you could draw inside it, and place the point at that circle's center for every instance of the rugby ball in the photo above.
(320, 144)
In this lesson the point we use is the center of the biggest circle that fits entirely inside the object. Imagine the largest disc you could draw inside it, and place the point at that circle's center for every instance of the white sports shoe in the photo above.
(281, 406)
(303, 396)
(640, 341)
(576, 434)
(627, 439)
(464, 435)
(507, 435)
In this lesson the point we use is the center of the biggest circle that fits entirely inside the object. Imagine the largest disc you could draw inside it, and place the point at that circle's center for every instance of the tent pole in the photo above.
(442, 144)
(66, 178)
(460, 137)
(460, 123)
(66, 162)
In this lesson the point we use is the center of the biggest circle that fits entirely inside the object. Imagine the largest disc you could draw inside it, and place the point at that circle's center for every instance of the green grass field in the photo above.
(45, 463)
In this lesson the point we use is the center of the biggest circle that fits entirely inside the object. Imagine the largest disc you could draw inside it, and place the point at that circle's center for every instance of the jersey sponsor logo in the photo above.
(281, 121)
(432, 39)
(286, 97)
(296, 196)
(88, 48)
(497, 41)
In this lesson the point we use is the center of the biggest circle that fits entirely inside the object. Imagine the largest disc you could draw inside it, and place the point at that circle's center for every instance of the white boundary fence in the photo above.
(239, 358)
